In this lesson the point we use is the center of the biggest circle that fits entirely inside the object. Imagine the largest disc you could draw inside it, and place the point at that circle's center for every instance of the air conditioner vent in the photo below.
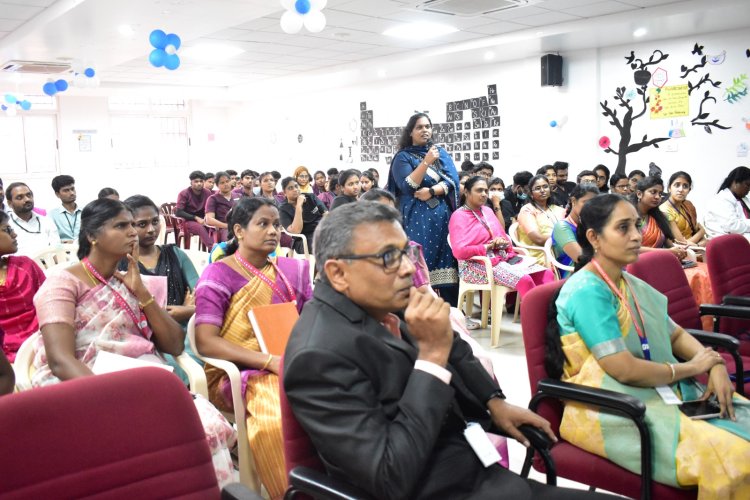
(470, 8)
(34, 67)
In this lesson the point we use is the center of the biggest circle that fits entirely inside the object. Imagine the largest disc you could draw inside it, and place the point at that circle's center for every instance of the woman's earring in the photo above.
(93, 242)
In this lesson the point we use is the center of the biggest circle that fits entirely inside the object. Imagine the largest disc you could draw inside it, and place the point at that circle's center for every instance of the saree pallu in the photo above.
(686, 218)
(530, 219)
(259, 387)
(712, 454)
(653, 236)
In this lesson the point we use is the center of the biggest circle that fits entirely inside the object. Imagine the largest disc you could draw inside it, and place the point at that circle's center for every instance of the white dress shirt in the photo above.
(34, 236)
(725, 215)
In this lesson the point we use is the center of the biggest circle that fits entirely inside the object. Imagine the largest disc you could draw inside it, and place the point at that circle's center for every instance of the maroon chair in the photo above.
(307, 474)
(728, 260)
(570, 461)
(167, 211)
(663, 271)
(130, 434)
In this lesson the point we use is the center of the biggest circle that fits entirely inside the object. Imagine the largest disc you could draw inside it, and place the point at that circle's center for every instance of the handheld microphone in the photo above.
(429, 143)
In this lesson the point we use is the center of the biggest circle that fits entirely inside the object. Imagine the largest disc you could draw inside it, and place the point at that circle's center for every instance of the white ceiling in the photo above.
(53, 31)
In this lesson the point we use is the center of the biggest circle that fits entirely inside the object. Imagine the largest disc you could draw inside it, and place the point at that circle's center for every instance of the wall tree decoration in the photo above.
(701, 118)
(624, 123)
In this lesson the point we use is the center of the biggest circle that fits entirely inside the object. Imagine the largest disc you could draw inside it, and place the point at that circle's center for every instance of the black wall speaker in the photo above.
(552, 70)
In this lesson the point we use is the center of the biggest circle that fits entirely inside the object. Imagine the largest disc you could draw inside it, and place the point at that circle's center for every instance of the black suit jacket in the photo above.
(391, 430)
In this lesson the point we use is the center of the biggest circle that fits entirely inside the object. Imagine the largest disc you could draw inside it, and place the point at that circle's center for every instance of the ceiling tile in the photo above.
(371, 8)
(9, 24)
(546, 19)
(498, 28)
(505, 15)
(16, 11)
(599, 9)
(565, 4)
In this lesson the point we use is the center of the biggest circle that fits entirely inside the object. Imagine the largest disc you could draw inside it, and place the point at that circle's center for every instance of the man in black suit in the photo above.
(385, 399)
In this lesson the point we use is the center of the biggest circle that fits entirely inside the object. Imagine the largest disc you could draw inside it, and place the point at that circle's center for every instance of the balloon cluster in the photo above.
(12, 103)
(52, 88)
(303, 12)
(83, 76)
(165, 50)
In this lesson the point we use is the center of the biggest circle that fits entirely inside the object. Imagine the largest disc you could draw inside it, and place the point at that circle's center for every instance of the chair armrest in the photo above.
(725, 310)
(732, 346)
(715, 339)
(736, 300)
(306, 248)
(238, 491)
(620, 403)
(196, 375)
(616, 401)
(322, 486)
(520, 250)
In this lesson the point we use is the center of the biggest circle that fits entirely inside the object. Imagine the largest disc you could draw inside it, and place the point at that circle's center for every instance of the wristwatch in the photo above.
(432, 192)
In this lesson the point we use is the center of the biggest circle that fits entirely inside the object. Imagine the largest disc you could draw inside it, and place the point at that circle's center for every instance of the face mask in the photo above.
(256, 190)
(522, 196)
(500, 195)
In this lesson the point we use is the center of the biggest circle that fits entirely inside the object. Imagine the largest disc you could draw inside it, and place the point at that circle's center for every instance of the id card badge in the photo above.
(668, 395)
(481, 444)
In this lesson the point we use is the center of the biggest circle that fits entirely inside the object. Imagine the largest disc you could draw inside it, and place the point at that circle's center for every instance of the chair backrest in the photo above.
(298, 449)
(22, 366)
(533, 325)
(167, 210)
(513, 233)
(551, 258)
(728, 260)
(53, 256)
(130, 434)
(663, 271)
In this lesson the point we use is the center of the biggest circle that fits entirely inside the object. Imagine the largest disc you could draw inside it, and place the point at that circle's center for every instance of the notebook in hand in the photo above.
(272, 325)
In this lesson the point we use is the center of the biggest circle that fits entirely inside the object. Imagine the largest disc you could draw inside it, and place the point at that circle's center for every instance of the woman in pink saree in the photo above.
(90, 308)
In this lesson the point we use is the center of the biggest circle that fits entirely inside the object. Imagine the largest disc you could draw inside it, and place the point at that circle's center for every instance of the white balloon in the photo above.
(79, 80)
(170, 49)
(317, 4)
(291, 22)
(288, 4)
(11, 111)
(95, 81)
(315, 21)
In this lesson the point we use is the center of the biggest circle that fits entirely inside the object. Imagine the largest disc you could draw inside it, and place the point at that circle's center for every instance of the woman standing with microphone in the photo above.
(425, 182)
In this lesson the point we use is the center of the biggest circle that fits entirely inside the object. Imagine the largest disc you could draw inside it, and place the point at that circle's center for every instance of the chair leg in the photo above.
(517, 308)
(497, 303)
(469, 303)
(485, 307)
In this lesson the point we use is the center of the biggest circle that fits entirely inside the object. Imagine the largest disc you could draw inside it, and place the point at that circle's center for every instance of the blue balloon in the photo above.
(553, 124)
(3, 107)
(89, 72)
(61, 85)
(302, 6)
(10, 99)
(158, 39)
(173, 39)
(25, 105)
(49, 89)
(157, 57)
(172, 62)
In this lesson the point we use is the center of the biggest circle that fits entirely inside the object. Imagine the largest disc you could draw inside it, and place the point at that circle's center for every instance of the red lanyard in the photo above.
(641, 333)
(290, 296)
(140, 320)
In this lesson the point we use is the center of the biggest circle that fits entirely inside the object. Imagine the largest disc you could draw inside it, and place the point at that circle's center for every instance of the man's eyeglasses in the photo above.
(391, 259)
(7, 229)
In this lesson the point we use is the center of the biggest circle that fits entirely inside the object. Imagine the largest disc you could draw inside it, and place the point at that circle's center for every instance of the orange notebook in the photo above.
(272, 325)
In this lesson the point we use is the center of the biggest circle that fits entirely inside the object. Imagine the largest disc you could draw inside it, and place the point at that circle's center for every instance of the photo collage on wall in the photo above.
(471, 131)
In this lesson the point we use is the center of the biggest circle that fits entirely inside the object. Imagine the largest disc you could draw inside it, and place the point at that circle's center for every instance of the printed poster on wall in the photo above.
(669, 102)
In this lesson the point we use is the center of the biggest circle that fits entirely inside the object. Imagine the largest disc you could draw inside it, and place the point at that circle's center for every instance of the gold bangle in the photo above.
(671, 367)
(147, 303)
(268, 362)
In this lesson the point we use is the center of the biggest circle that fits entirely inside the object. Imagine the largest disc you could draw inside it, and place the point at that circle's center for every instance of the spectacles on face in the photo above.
(539, 189)
(601, 177)
(303, 176)
(391, 259)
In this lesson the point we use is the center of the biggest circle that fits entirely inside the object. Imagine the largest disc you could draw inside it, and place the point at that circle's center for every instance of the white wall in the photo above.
(262, 132)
